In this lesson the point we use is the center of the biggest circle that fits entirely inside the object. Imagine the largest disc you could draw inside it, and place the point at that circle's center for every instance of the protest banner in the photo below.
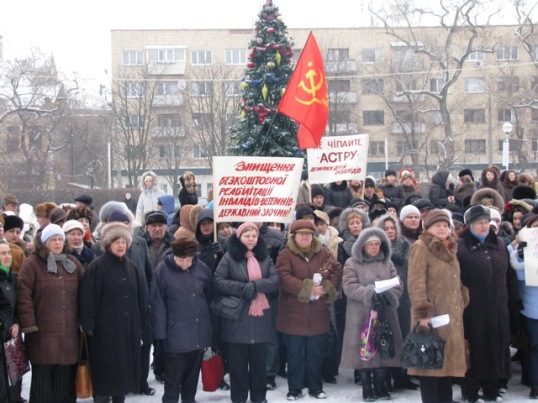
(530, 254)
(258, 189)
(338, 158)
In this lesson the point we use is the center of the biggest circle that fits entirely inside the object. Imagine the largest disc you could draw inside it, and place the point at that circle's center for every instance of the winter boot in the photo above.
(380, 387)
(367, 388)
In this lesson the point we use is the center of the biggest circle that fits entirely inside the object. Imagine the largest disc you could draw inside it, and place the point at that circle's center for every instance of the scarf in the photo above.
(481, 238)
(254, 273)
(5, 269)
(68, 265)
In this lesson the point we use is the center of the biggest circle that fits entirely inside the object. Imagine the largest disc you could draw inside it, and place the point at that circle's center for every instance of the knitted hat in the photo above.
(302, 225)
(80, 212)
(10, 199)
(112, 231)
(302, 211)
(371, 238)
(50, 231)
(434, 216)
(389, 172)
(184, 247)
(85, 199)
(409, 209)
(358, 202)
(71, 225)
(369, 182)
(423, 203)
(57, 215)
(156, 217)
(245, 226)
(12, 221)
(495, 214)
(476, 212)
(108, 207)
(44, 209)
(323, 216)
(118, 216)
(317, 190)
(457, 217)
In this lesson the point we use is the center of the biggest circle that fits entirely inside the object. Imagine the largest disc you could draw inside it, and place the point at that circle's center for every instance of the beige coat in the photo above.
(435, 289)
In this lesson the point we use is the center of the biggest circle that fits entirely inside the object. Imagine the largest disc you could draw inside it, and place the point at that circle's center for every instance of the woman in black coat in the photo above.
(247, 271)
(113, 311)
(493, 289)
(8, 302)
(180, 295)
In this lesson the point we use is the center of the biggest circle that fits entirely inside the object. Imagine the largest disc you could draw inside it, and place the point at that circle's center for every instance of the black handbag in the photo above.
(425, 351)
(387, 349)
(227, 306)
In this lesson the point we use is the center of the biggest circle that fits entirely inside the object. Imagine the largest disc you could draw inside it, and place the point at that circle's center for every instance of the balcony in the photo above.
(343, 97)
(168, 132)
(333, 67)
(398, 128)
(168, 100)
(171, 68)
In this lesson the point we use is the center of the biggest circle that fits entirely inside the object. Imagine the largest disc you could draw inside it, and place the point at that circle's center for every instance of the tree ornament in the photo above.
(251, 65)
(265, 91)
(259, 40)
(244, 85)
(243, 115)
(271, 30)
(278, 58)
(271, 65)
(279, 18)
(282, 91)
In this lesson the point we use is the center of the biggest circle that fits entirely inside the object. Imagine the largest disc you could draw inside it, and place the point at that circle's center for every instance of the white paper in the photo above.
(440, 320)
(384, 285)
(530, 254)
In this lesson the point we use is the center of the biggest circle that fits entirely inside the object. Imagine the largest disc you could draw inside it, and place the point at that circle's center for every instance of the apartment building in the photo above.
(403, 93)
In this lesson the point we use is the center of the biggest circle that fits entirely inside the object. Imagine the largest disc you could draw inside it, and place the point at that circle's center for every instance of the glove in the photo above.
(520, 248)
(249, 291)
(216, 247)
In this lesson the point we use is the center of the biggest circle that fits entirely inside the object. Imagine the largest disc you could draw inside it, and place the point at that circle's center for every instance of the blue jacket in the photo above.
(180, 305)
(528, 294)
(168, 207)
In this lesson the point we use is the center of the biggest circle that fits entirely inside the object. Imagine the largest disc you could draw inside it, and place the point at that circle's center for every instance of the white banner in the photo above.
(338, 158)
(259, 189)
(530, 254)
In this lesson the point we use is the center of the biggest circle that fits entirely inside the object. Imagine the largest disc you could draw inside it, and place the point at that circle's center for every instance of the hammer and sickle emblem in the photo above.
(313, 87)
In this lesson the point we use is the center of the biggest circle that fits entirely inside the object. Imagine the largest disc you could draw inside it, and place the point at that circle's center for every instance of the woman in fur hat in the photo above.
(435, 289)
(247, 271)
(181, 287)
(370, 262)
(84, 215)
(48, 295)
(303, 306)
(113, 312)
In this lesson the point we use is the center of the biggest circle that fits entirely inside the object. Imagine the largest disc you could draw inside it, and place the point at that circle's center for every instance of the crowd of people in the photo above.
(138, 279)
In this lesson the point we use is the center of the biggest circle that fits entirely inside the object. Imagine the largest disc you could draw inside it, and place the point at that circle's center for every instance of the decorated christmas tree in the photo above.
(262, 131)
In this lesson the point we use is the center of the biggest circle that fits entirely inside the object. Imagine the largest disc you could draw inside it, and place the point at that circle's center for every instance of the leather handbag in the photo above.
(212, 369)
(228, 306)
(423, 350)
(83, 380)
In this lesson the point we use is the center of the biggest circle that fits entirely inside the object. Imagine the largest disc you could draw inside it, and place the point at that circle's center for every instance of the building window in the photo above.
(373, 118)
(376, 149)
(336, 86)
(200, 151)
(201, 88)
(436, 84)
(403, 148)
(406, 116)
(508, 84)
(340, 117)
(232, 88)
(166, 55)
(372, 86)
(134, 89)
(201, 57)
(534, 115)
(133, 58)
(371, 55)
(14, 138)
(435, 147)
(167, 88)
(201, 121)
(168, 120)
(504, 115)
(337, 55)
(509, 52)
(473, 85)
(513, 144)
(236, 56)
(134, 121)
(476, 56)
(169, 151)
(474, 115)
(475, 146)
(162, 151)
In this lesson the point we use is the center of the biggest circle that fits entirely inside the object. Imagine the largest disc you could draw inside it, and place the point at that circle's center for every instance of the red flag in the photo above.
(306, 99)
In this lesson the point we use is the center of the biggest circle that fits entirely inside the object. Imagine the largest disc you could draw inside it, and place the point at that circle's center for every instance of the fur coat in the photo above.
(435, 289)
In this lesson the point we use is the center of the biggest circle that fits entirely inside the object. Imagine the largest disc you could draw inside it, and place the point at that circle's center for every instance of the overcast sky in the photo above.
(79, 36)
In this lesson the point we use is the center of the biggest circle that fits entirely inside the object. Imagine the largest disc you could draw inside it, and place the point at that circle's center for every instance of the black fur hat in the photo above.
(523, 192)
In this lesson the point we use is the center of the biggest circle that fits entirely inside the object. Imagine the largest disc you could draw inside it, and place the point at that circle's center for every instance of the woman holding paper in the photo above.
(493, 293)
(435, 289)
(369, 263)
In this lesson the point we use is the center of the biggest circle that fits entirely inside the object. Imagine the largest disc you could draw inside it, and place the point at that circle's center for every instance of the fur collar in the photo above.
(41, 250)
(437, 248)
(237, 250)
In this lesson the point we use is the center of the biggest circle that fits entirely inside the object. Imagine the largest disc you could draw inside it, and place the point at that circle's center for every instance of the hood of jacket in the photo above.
(168, 203)
(387, 217)
(188, 216)
(488, 193)
(142, 185)
(440, 178)
(237, 250)
(357, 250)
(342, 222)
(204, 213)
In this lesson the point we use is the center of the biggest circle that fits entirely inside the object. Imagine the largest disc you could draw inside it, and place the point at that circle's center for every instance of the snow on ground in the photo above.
(344, 391)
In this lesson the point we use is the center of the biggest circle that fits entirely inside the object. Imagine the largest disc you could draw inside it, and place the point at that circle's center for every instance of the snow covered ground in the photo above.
(344, 391)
